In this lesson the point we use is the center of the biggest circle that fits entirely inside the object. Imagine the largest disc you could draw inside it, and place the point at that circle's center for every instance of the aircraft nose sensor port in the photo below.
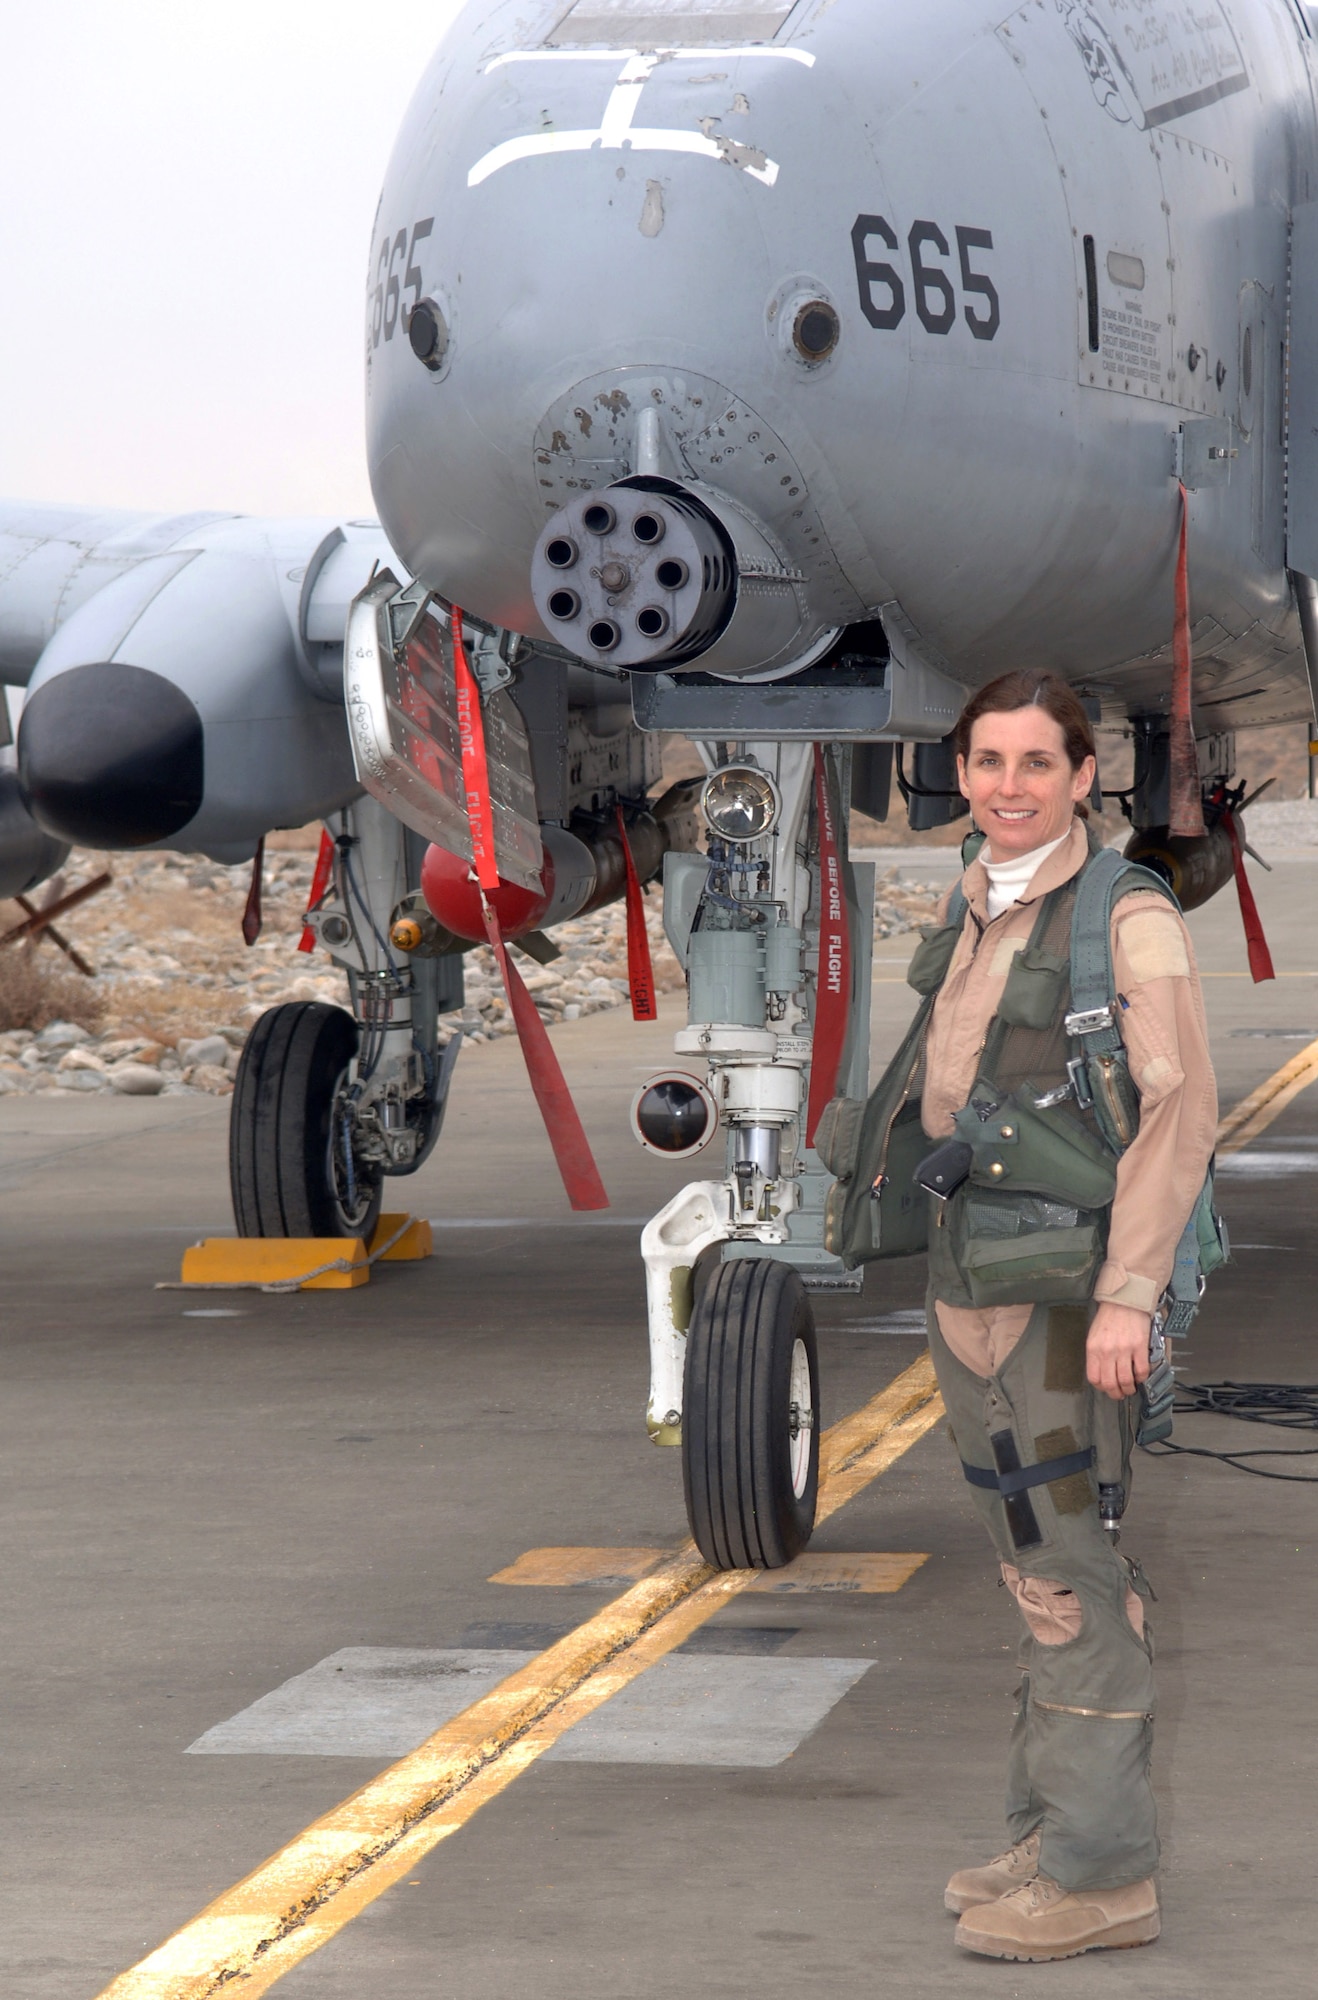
(643, 579)
(427, 333)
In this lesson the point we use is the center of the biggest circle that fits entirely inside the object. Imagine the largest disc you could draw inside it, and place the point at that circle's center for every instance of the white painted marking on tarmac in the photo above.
(733, 1712)
(1257, 1165)
(540, 1221)
(382, 1701)
(213, 1312)
(365, 1701)
(908, 1323)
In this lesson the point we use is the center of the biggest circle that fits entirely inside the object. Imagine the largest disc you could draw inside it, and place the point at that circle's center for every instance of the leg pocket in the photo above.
(1051, 1610)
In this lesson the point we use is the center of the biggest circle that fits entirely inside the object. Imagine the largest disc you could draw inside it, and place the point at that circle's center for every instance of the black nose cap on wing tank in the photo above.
(111, 756)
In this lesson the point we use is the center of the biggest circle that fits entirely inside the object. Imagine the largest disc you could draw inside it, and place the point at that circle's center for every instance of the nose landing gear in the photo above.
(775, 913)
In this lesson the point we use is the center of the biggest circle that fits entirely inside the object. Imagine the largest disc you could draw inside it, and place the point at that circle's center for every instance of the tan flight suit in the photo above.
(1080, 1748)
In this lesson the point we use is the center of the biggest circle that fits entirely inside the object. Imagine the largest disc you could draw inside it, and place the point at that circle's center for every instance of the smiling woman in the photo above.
(1063, 1079)
(1025, 761)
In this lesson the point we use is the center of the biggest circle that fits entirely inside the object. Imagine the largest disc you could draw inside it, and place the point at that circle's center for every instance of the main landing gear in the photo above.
(292, 1166)
(327, 1103)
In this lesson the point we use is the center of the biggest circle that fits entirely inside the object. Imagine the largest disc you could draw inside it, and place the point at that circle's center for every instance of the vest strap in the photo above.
(1007, 1483)
(1106, 876)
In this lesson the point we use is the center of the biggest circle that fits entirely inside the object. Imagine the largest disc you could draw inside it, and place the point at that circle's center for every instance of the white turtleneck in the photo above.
(1009, 880)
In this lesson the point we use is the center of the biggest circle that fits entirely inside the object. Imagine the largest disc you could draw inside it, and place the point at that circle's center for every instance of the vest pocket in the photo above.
(837, 1136)
(1045, 1266)
(1043, 1152)
(931, 958)
(1036, 990)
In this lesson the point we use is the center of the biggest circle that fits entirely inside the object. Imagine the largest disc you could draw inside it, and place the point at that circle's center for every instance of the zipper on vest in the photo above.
(880, 1180)
(1116, 1110)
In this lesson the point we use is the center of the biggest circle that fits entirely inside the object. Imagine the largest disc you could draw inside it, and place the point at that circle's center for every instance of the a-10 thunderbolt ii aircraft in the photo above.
(773, 372)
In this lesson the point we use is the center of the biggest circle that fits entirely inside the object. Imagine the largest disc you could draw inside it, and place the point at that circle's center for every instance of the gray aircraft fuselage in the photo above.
(1050, 237)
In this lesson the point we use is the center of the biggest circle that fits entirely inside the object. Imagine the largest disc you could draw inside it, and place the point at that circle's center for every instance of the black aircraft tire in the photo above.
(282, 1168)
(751, 1480)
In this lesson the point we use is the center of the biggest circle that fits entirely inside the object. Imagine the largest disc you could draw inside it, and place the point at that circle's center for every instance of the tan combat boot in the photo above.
(1041, 1920)
(970, 1887)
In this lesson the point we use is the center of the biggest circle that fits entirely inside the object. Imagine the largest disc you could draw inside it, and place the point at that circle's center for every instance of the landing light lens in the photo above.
(740, 803)
(674, 1115)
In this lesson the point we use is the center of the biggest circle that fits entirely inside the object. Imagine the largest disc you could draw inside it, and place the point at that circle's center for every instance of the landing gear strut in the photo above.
(734, 1366)
(328, 1103)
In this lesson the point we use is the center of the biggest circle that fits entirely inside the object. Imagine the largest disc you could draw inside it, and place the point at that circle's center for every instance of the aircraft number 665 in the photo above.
(386, 316)
(883, 285)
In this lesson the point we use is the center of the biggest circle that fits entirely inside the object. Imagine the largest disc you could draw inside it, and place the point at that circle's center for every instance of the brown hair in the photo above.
(1031, 687)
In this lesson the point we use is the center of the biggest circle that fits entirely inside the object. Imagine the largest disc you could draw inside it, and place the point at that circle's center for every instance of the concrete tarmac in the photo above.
(200, 1509)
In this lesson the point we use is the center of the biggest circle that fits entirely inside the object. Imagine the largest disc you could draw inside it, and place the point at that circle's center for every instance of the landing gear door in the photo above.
(403, 719)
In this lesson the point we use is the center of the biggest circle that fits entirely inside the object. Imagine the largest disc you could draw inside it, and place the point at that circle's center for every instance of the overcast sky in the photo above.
(186, 195)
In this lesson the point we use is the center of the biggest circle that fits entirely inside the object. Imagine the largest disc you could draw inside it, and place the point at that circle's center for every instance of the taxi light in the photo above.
(740, 803)
(674, 1115)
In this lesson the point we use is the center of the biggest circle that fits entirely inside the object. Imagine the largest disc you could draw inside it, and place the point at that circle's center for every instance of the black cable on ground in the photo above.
(1291, 1406)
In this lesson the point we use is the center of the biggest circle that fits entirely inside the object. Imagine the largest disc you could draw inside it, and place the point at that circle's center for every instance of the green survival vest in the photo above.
(1052, 1109)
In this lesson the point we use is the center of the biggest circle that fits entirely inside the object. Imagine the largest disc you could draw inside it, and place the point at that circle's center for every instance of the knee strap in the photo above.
(1023, 1477)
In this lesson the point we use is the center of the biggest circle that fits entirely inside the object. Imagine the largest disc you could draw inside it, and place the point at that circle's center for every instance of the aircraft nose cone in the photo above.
(111, 756)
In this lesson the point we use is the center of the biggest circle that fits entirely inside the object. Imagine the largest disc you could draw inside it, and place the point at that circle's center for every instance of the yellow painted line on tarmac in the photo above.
(552, 1569)
(556, 1568)
(303, 1895)
(870, 1574)
(1256, 1112)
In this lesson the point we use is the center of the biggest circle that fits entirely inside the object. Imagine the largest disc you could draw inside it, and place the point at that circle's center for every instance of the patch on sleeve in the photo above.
(1005, 953)
(1153, 1072)
(1153, 945)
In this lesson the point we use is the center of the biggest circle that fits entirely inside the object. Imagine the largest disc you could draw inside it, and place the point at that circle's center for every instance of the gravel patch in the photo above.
(181, 990)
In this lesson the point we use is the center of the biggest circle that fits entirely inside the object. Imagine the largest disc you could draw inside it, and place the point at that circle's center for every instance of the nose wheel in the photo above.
(750, 1429)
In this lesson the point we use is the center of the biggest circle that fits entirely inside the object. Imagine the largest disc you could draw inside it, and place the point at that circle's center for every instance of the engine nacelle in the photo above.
(195, 698)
